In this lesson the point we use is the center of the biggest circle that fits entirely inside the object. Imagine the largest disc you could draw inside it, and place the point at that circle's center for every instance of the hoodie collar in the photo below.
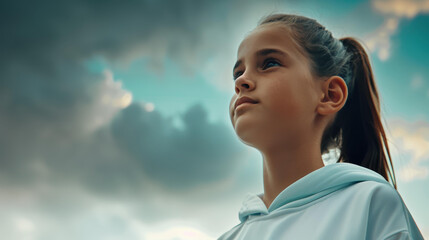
(312, 186)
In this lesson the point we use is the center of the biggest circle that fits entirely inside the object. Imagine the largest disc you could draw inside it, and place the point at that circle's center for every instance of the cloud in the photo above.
(411, 140)
(192, 34)
(413, 172)
(97, 218)
(379, 40)
(402, 8)
(56, 113)
(115, 30)
(77, 152)
(394, 11)
(111, 97)
(201, 152)
(178, 233)
(80, 182)
(109, 150)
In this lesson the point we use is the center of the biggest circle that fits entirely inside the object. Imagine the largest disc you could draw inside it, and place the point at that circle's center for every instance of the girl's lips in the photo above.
(242, 106)
(242, 100)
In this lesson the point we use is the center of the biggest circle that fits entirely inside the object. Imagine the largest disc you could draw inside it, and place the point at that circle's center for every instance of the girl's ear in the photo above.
(334, 96)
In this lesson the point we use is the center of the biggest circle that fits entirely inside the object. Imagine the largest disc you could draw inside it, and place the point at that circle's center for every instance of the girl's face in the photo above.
(273, 70)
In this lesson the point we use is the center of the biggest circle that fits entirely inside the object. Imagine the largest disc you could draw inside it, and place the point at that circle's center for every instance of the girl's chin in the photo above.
(247, 136)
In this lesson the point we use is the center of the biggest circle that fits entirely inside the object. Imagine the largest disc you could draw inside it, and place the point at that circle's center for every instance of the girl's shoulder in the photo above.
(363, 210)
(380, 200)
(388, 215)
(378, 191)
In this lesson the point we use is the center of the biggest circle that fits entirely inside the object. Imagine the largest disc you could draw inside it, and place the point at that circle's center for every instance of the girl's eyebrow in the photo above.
(262, 52)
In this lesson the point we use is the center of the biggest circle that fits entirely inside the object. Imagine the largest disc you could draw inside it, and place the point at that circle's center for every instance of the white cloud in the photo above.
(379, 40)
(113, 94)
(402, 8)
(411, 139)
(178, 233)
(415, 139)
(24, 225)
(82, 215)
(411, 172)
(110, 99)
(394, 10)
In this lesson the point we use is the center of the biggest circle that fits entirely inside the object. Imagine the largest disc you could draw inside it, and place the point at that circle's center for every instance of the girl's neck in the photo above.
(282, 168)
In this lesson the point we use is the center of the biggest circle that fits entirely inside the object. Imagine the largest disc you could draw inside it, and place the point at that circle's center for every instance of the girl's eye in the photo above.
(270, 63)
(237, 74)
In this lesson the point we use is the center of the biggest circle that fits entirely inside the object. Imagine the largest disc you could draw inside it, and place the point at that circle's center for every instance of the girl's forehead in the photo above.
(273, 35)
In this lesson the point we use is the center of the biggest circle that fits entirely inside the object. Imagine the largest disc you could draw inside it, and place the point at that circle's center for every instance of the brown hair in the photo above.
(357, 129)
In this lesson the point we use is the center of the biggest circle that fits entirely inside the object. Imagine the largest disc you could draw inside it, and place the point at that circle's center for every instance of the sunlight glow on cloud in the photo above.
(24, 225)
(125, 100)
(149, 107)
(119, 98)
(110, 99)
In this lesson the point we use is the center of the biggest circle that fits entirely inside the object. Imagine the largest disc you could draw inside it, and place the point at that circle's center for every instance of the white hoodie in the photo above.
(337, 201)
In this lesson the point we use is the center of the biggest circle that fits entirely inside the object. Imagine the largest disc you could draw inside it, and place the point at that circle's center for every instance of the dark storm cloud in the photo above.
(202, 151)
(66, 158)
(78, 29)
(64, 152)
(48, 97)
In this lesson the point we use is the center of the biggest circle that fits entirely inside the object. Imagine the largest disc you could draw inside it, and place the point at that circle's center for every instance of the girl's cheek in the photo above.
(231, 106)
(232, 101)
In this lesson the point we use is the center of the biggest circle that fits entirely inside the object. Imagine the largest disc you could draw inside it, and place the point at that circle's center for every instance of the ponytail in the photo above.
(357, 129)
(363, 140)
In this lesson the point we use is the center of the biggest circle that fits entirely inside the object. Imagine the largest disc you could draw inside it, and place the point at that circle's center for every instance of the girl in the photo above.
(298, 93)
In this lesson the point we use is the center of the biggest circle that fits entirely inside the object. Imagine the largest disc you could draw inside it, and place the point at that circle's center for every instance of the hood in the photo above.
(312, 186)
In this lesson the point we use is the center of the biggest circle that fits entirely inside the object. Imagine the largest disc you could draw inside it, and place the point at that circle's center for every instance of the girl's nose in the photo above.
(243, 83)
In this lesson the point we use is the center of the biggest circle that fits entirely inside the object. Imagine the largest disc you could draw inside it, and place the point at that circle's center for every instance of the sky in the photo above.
(114, 118)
